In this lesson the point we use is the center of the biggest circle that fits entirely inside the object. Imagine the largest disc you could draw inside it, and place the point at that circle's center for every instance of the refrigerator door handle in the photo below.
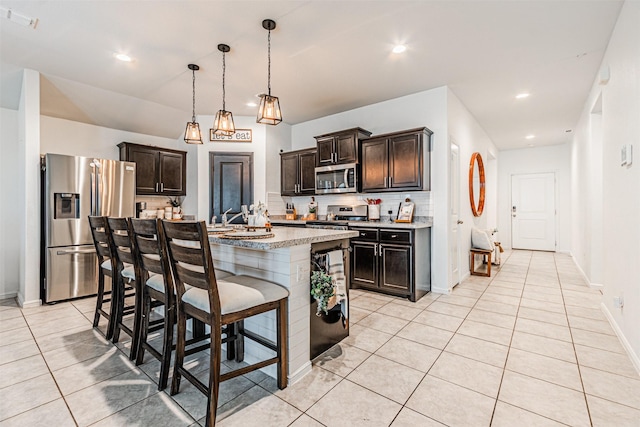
(79, 251)
(98, 192)
(92, 188)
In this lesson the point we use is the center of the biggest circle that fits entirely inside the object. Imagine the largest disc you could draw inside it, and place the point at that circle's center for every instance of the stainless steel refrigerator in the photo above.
(72, 189)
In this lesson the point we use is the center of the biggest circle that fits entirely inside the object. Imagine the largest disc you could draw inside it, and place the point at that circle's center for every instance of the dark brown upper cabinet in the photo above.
(339, 147)
(397, 161)
(297, 172)
(159, 171)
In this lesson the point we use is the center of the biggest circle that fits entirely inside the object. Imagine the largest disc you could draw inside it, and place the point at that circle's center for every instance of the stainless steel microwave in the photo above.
(337, 179)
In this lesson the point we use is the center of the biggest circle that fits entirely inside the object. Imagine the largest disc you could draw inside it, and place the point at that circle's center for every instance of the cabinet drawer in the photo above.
(396, 236)
(367, 234)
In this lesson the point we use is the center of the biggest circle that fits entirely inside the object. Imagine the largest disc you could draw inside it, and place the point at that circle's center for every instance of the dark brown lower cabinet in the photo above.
(392, 261)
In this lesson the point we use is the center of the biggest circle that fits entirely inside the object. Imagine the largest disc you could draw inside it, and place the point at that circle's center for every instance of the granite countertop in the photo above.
(375, 224)
(285, 237)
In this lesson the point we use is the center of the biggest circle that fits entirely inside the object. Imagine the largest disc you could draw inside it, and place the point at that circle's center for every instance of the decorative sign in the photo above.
(241, 135)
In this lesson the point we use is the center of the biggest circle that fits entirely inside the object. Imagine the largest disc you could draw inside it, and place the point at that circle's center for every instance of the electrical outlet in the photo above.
(618, 302)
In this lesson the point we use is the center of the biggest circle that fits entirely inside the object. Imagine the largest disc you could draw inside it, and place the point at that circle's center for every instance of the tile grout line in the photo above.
(506, 360)
(573, 345)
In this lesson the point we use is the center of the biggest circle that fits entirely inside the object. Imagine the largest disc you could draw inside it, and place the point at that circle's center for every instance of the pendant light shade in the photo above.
(223, 123)
(269, 110)
(192, 134)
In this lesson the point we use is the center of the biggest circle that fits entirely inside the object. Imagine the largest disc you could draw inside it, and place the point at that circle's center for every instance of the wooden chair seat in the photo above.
(237, 293)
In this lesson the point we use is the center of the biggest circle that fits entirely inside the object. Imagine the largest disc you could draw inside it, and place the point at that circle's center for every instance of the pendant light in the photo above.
(269, 111)
(192, 134)
(223, 124)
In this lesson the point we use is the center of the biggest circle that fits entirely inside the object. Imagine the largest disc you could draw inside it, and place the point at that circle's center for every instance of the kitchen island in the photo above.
(284, 259)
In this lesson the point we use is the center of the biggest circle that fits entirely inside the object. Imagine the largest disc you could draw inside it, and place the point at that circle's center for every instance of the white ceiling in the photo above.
(327, 57)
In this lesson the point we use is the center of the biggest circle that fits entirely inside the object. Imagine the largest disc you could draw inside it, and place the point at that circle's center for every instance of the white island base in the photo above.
(283, 259)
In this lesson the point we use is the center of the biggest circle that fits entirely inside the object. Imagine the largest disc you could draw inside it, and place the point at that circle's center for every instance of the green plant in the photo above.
(175, 201)
(322, 290)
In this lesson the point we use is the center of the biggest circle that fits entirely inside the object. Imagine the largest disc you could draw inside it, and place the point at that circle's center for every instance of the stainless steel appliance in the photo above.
(337, 178)
(72, 189)
(338, 217)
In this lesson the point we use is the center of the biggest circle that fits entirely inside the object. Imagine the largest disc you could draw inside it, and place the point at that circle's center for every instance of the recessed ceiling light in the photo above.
(251, 104)
(399, 48)
(522, 95)
(530, 136)
(123, 57)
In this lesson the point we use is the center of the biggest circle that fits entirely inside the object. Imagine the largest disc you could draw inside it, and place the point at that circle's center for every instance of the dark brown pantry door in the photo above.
(231, 183)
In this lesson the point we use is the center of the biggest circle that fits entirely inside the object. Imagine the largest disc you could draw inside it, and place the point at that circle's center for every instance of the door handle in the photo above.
(460, 222)
(80, 251)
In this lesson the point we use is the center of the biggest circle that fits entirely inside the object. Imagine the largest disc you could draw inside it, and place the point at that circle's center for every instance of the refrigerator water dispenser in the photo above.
(66, 206)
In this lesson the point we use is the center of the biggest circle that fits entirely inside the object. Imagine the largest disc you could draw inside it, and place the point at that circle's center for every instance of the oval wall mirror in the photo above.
(476, 184)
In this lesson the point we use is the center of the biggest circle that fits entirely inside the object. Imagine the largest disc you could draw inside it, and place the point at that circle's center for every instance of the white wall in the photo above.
(554, 158)
(10, 173)
(466, 132)
(428, 108)
(621, 184)
(28, 159)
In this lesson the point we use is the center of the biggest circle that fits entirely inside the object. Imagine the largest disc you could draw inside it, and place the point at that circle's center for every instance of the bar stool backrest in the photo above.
(119, 232)
(100, 234)
(146, 238)
(187, 247)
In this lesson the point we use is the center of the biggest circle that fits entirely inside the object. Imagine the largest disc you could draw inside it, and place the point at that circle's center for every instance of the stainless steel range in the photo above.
(339, 216)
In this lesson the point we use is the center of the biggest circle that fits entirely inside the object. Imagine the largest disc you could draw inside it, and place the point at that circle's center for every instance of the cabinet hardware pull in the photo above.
(157, 187)
(375, 250)
(390, 181)
(162, 187)
(393, 236)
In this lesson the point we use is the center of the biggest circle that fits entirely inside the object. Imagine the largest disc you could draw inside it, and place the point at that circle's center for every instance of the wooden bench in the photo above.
(486, 258)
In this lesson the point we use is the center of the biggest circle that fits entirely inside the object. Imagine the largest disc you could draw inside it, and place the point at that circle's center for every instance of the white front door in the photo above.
(454, 215)
(533, 212)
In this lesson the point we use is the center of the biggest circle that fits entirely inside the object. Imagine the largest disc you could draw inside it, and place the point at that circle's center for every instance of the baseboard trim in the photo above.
(300, 373)
(596, 286)
(28, 304)
(440, 290)
(8, 295)
(635, 360)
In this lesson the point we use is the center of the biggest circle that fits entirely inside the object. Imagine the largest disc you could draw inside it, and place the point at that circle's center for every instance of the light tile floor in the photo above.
(526, 347)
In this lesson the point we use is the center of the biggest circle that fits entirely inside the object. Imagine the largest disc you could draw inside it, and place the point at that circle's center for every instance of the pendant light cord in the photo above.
(193, 111)
(224, 69)
(269, 62)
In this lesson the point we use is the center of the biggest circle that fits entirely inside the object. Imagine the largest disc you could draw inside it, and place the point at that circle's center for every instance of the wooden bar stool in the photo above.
(219, 303)
(124, 283)
(486, 258)
(100, 233)
(152, 268)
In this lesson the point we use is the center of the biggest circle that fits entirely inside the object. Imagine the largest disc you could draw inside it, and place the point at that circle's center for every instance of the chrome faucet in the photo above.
(244, 212)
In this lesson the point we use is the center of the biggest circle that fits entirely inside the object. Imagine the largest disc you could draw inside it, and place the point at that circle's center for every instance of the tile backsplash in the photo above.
(390, 202)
